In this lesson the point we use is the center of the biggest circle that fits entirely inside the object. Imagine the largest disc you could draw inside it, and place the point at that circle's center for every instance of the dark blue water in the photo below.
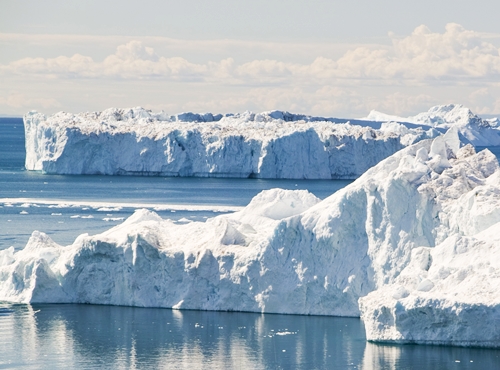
(12, 152)
(89, 337)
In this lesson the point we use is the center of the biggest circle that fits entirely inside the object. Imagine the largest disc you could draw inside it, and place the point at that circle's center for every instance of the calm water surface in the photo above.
(87, 337)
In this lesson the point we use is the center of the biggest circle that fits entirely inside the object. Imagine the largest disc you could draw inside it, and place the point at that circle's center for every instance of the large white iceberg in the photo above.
(267, 145)
(476, 130)
(415, 237)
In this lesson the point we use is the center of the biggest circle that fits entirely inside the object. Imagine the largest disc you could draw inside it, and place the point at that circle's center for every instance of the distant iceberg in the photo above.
(412, 247)
(476, 130)
(267, 145)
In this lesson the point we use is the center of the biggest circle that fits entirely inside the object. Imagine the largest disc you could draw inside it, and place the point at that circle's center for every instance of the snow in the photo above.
(475, 130)
(412, 246)
(266, 145)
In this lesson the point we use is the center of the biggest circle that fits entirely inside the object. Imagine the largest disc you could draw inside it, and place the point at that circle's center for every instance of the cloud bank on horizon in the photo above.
(404, 76)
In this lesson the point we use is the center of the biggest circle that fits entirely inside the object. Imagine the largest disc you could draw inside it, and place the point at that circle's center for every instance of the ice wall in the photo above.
(267, 145)
(448, 292)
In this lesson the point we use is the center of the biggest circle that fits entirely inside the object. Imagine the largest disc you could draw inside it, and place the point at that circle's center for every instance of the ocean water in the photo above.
(88, 336)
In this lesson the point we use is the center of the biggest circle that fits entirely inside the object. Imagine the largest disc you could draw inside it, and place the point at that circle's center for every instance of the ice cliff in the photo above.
(267, 145)
(412, 246)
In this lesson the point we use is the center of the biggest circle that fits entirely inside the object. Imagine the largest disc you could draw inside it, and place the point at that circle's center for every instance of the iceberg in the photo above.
(267, 145)
(475, 130)
(411, 246)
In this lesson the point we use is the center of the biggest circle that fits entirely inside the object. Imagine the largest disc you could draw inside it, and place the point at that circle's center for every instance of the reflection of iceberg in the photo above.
(26, 340)
(382, 357)
(94, 336)
(419, 229)
(395, 357)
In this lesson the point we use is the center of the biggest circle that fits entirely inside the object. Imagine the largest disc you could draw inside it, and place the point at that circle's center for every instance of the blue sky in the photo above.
(334, 58)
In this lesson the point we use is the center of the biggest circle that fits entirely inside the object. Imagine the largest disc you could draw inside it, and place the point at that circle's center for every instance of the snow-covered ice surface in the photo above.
(477, 131)
(415, 239)
(267, 145)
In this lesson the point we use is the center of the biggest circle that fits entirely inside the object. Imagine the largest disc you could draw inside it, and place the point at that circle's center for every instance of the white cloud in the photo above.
(407, 76)
(420, 58)
(484, 101)
(19, 100)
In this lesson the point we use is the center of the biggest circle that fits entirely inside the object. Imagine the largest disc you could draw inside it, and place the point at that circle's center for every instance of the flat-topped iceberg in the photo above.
(412, 246)
(267, 145)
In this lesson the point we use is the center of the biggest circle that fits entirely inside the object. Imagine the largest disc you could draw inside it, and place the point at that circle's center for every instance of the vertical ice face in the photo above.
(447, 292)
(33, 141)
(136, 141)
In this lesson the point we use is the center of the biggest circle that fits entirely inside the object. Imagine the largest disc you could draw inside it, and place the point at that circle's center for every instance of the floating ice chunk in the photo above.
(109, 209)
(107, 219)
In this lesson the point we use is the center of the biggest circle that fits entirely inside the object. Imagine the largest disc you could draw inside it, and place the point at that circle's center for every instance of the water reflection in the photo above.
(390, 357)
(87, 336)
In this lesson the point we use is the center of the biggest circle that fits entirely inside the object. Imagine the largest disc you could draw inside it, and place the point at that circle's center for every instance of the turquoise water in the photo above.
(89, 336)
